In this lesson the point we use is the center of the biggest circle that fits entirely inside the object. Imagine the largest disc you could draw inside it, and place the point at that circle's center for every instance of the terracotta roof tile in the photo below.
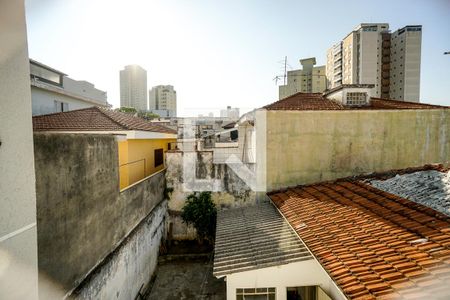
(94, 119)
(372, 243)
(317, 101)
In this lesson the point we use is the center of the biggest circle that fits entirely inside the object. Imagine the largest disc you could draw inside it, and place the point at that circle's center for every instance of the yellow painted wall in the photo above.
(310, 146)
(133, 152)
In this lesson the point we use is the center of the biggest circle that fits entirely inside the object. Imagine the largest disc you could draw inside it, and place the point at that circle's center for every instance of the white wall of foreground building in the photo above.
(297, 274)
(18, 241)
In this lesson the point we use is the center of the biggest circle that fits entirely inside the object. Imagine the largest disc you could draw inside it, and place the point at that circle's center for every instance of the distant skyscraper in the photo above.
(406, 44)
(163, 100)
(310, 79)
(371, 54)
(231, 113)
(133, 87)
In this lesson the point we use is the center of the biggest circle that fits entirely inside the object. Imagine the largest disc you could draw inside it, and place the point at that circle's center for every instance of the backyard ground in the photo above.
(185, 272)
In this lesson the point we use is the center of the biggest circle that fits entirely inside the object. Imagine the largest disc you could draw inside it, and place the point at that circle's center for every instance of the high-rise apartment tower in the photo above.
(309, 79)
(371, 54)
(163, 100)
(133, 87)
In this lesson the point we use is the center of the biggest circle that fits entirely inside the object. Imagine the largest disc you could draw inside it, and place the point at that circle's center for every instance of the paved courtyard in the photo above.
(187, 280)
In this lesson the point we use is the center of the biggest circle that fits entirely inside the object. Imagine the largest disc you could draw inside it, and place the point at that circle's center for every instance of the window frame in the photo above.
(158, 155)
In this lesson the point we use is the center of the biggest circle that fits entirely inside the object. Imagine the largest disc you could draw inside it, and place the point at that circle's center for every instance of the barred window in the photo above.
(356, 98)
(255, 294)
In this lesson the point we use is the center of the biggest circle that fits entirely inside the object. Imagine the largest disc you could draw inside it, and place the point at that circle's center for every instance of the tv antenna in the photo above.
(284, 76)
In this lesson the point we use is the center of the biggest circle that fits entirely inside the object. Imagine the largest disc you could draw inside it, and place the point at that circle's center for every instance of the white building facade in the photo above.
(371, 54)
(163, 101)
(309, 79)
(52, 91)
(406, 48)
(133, 87)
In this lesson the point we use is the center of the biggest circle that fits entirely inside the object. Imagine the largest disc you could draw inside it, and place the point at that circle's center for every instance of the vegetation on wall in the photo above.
(201, 212)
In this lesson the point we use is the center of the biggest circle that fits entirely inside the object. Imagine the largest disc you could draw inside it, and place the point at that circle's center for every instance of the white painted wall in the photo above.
(261, 155)
(18, 241)
(43, 101)
(84, 89)
(132, 265)
(303, 273)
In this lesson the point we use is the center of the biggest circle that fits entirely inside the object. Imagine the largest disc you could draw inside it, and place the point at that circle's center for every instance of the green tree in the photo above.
(200, 211)
(129, 110)
(147, 115)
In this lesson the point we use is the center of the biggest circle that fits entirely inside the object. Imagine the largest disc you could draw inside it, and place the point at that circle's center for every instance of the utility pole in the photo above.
(285, 63)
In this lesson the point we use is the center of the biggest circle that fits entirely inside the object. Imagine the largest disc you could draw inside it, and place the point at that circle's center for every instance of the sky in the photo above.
(219, 53)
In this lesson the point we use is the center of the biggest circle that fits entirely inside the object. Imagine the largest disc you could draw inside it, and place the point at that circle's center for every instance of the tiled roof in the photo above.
(252, 238)
(316, 101)
(430, 188)
(94, 119)
(372, 243)
(377, 103)
(305, 101)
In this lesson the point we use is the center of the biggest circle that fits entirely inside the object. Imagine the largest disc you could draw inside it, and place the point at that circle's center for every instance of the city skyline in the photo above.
(218, 45)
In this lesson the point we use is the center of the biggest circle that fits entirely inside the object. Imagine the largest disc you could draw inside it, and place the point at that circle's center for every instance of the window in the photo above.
(306, 293)
(255, 294)
(46, 75)
(61, 106)
(355, 98)
(159, 157)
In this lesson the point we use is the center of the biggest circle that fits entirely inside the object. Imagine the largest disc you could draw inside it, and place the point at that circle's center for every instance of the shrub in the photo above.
(201, 212)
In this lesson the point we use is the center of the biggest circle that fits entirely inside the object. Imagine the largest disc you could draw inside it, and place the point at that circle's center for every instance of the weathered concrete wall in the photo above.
(309, 146)
(228, 189)
(195, 171)
(81, 214)
(130, 267)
